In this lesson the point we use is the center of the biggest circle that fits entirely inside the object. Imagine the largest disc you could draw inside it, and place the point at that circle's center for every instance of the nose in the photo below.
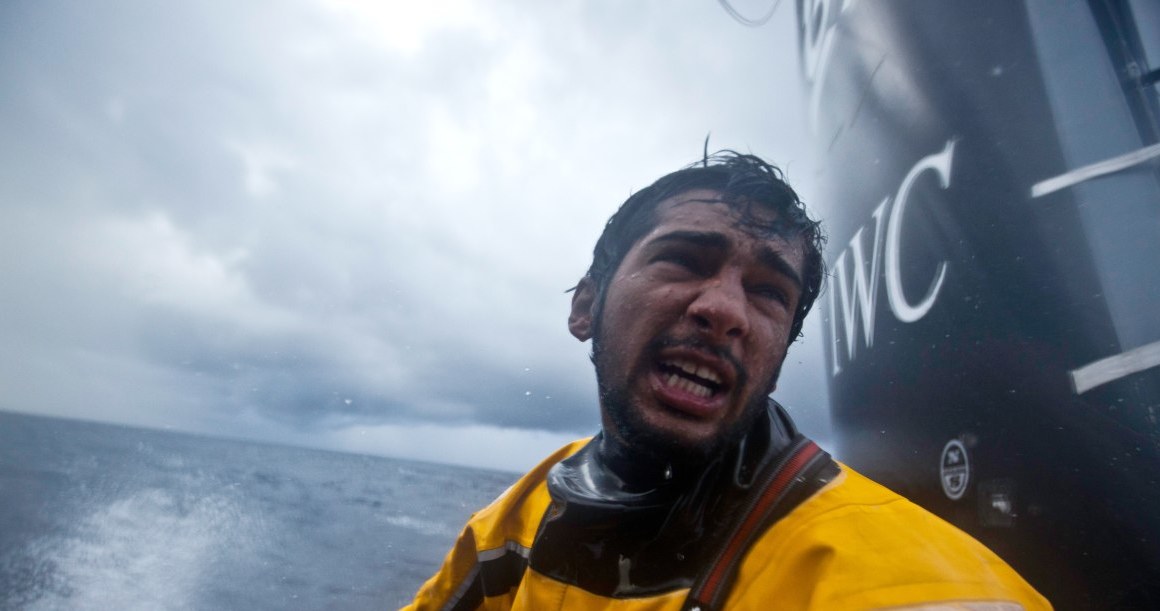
(720, 308)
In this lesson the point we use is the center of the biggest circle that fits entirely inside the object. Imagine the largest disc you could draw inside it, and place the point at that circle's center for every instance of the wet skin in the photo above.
(695, 326)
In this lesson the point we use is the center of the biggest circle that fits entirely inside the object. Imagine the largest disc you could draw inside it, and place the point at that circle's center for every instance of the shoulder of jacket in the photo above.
(853, 500)
(515, 514)
(822, 551)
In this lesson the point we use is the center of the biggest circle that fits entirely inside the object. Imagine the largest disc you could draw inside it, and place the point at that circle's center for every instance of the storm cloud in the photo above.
(349, 224)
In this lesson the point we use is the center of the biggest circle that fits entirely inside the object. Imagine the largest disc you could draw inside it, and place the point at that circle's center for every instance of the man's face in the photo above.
(694, 327)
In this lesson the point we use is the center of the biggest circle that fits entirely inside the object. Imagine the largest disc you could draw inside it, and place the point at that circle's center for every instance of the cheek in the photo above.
(769, 360)
(774, 331)
(770, 350)
(640, 305)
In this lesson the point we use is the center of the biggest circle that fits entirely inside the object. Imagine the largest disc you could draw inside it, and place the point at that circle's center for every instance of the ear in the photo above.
(583, 302)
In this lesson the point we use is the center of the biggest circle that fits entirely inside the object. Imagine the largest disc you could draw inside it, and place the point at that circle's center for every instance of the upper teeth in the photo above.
(700, 371)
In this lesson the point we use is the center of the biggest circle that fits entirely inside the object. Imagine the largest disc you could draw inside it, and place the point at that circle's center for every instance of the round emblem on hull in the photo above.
(954, 470)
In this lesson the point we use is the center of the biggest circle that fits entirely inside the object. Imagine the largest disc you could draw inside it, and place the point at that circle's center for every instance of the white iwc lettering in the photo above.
(857, 275)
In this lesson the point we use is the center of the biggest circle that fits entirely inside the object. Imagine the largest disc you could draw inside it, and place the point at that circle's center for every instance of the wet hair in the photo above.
(748, 185)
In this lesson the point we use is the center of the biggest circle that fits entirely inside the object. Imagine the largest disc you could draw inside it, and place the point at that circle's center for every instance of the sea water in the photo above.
(96, 516)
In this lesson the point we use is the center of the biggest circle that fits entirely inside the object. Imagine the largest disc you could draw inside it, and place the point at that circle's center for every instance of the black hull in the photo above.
(993, 310)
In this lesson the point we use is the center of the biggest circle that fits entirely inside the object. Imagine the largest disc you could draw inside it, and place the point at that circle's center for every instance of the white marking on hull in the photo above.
(1115, 367)
(1095, 170)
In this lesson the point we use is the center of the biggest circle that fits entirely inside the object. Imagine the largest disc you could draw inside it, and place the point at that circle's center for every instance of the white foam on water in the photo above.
(149, 550)
(421, 526)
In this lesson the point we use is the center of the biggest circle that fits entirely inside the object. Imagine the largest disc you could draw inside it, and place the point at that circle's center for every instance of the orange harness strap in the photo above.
(778, 489)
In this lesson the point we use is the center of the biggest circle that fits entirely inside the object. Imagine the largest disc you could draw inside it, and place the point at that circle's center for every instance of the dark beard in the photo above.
(635, 440)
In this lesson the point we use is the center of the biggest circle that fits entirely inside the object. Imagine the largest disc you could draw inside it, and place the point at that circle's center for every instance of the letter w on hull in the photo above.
(858, 292)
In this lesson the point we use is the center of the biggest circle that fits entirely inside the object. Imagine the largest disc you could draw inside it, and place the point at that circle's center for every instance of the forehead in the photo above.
(705, 210)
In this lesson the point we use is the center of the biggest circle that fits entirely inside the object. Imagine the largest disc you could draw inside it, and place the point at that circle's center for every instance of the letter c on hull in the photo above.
(940, 163)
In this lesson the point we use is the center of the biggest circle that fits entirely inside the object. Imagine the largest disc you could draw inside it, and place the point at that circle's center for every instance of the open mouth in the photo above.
(693, 378)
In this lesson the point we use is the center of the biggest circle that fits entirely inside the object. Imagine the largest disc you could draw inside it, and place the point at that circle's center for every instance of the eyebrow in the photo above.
(716, 241)
(704, 239)
(772, 258)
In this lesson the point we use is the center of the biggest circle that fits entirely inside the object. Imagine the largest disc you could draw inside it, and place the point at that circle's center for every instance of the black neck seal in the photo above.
(620, 540)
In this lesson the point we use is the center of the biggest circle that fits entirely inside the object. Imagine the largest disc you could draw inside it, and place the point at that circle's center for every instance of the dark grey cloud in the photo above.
(290, 220)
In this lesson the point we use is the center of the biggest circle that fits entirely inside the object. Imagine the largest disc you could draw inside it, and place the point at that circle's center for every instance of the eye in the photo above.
(773, 291)
(769, 292)
(684, 259)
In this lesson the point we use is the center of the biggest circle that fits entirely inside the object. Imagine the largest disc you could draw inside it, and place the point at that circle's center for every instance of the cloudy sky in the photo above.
(351, 224)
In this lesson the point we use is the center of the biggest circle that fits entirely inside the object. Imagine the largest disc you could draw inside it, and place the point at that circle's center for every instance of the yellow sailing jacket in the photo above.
(852, 545)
